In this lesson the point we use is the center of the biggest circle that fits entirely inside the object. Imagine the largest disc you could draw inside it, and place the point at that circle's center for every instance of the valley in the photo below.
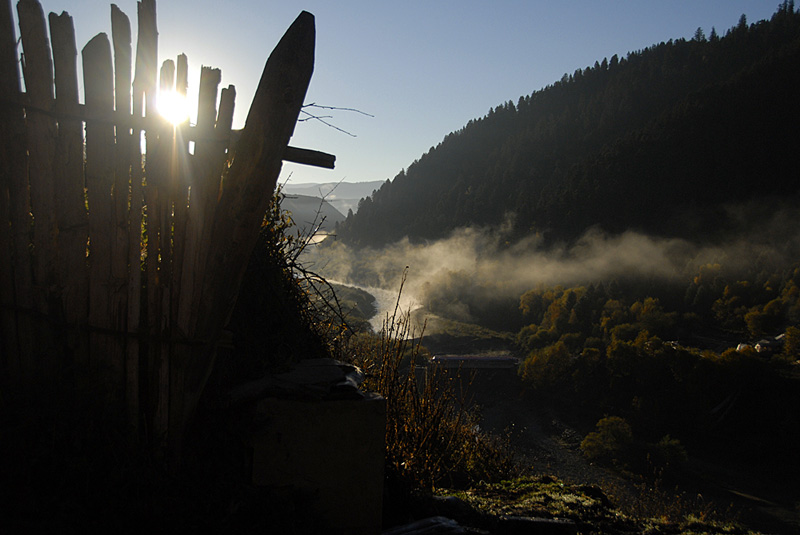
(629, 234)
(546, 417)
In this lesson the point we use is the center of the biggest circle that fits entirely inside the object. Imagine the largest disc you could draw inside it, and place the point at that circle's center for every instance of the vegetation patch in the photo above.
(589, 508)
(432, 439)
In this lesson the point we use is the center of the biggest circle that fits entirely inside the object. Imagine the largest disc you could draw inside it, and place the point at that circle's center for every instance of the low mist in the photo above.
(482, 265)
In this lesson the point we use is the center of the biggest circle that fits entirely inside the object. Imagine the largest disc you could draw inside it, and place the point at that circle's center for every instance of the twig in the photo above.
(315, 105)
(321, 118)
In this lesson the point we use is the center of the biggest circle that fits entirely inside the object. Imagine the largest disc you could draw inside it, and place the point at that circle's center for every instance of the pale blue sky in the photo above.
(422, 68)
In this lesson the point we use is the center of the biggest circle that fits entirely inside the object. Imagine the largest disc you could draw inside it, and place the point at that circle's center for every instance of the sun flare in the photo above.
(173, 106)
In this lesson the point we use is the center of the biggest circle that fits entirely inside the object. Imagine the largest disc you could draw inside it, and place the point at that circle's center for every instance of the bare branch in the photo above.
(326, 123)
(315, 105)
(310, 117)
(322, 118)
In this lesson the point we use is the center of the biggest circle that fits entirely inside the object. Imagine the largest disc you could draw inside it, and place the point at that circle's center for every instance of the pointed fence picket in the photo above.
(118, 265)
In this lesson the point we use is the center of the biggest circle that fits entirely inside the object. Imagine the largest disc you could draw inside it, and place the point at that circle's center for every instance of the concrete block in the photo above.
(333, 449)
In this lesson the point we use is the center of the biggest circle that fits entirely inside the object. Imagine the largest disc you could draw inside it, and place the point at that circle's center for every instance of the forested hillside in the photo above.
(668, 140)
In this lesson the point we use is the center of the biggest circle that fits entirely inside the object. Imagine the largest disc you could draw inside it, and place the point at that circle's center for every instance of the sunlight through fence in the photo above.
(123, 249)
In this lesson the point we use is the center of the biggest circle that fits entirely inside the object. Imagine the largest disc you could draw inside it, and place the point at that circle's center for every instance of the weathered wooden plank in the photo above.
(144, 94)
(252, 178)
(128, 347)
(38, 72)
(209, 171)
(213, 133)
(182, 76)
(144, 84)
(37, 69)
(180, 166)
(16, 281)
(167, 150)
(147, 56)
(216, 156)
(201, 201)
(167, 76)
(98, 84)
(145, 88)
(121, 34)
(309, 157)
(179, 193)
(8, 323)
(154, 225)
(222, 130)
(219, 154)
(159, 187)
(246, 193)
(227, 102)
(81, 113)
(212, 142)
(207, 104)
(71, 216)
(153, 220)
(148, 31)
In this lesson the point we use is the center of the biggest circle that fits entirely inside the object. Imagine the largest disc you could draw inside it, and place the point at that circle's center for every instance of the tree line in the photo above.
(661, 140)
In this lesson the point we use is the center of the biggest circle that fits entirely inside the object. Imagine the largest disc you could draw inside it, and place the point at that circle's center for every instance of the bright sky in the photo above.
(421, 68)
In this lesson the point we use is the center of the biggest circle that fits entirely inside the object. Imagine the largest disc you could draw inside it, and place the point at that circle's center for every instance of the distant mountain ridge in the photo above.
(663, 141)
(343, 196)
(311, 214)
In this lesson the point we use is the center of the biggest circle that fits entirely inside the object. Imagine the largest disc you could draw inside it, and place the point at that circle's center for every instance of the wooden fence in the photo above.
(119, 264)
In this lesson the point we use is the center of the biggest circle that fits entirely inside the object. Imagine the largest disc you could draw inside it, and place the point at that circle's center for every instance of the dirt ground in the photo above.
(546, 444)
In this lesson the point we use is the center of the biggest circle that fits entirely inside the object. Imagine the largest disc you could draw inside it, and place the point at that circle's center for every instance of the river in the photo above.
(385, 303)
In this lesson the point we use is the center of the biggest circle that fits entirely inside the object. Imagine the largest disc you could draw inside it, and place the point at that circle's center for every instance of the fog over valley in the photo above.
(481, 263)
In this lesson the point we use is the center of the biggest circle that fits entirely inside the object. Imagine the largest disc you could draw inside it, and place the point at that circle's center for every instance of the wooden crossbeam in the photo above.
(299, 155)
(309, 157)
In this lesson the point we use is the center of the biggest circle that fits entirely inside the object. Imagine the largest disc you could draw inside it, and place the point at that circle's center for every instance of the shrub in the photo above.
(432, 439)
(546, 368)
(668, 452)
(611, 441)
(791, 344)
(763, 319)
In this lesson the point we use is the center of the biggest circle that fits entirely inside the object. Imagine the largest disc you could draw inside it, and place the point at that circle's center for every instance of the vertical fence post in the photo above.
(180, 166)
(15, 275)
(143, 86)
(37, 68)
(100, 148)
(246, 193)
(166, 153)
(123, 217)
(144, 94)
(251, 181)
(205, 188)
(71, 216)
(158, 257)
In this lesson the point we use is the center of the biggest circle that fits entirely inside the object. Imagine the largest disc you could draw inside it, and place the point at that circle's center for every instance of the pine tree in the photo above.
(699, 35)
